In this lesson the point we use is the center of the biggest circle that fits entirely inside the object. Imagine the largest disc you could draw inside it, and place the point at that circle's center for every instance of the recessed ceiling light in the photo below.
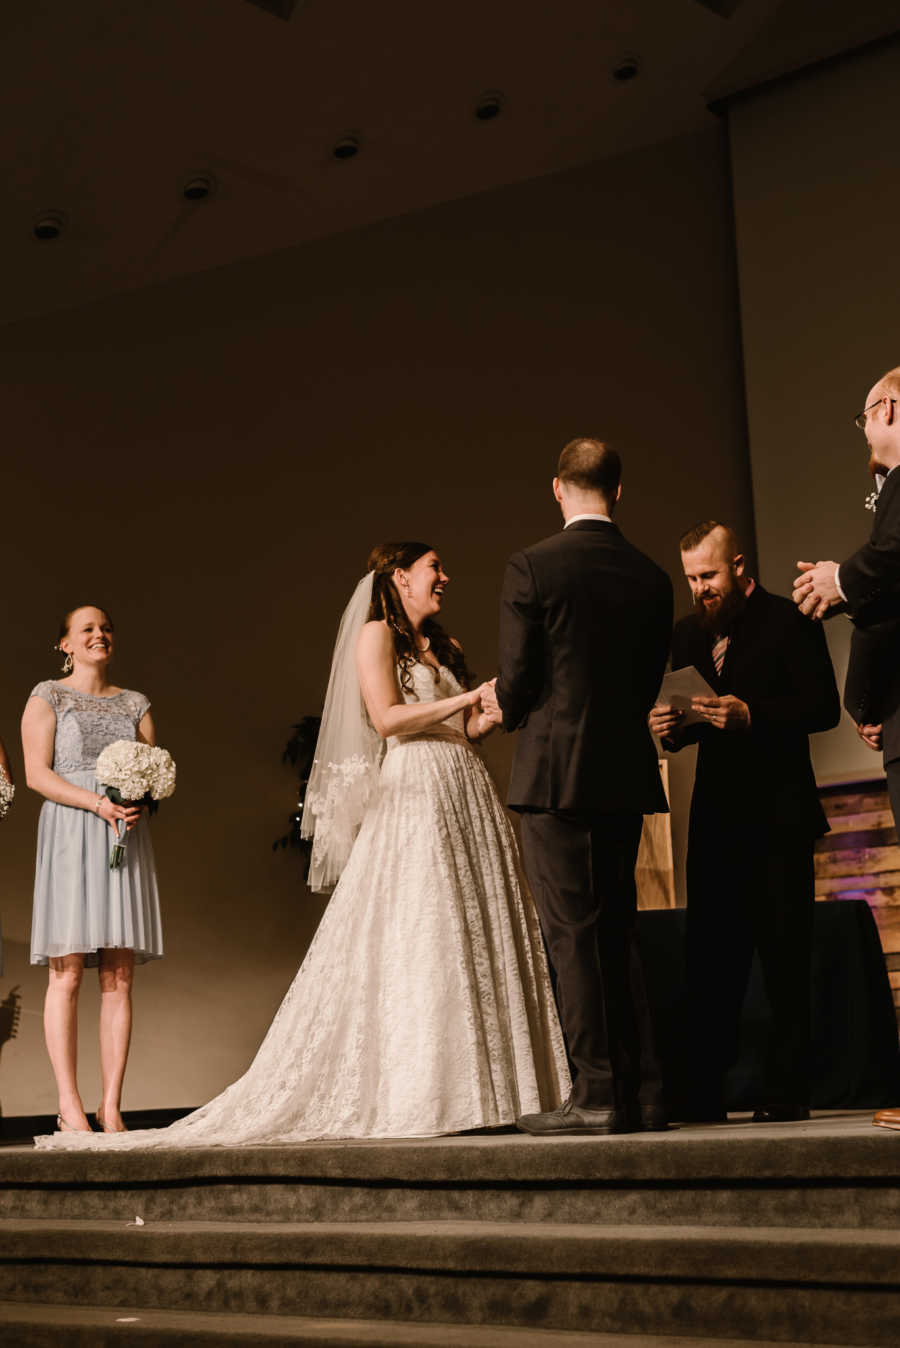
(198, 187)
(489, 106)
(627, 69)
(347, 147)
(48, 225)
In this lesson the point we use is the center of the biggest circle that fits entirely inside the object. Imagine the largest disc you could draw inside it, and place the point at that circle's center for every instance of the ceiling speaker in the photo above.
(724, 8)
(282, 9)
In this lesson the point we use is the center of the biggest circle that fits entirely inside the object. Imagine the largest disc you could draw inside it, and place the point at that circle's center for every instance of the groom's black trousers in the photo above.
(581, 871)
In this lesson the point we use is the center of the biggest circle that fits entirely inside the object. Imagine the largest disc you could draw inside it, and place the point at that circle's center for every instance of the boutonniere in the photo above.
(872, 500)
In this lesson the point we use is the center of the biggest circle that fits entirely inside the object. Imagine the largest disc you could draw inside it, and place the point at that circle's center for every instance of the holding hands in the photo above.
(489, 705)
(485, 712)
(815, 589)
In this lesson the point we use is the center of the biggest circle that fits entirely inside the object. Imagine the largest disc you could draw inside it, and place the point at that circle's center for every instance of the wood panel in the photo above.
(841, 886)
(857, 861)
(860, 859)
(655, 869)
(869, 796)
(853, 823)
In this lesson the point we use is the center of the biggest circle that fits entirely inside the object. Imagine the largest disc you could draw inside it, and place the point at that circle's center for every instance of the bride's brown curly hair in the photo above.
(384, 560)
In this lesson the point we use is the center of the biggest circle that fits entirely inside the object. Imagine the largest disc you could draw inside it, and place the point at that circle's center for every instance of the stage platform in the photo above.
(736, 1233)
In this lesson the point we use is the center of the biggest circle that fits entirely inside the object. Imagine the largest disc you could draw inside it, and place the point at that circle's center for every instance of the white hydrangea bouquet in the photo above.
(134, 773)
(7, 791)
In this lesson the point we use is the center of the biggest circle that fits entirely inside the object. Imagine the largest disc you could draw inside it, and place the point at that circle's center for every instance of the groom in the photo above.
(585, 623)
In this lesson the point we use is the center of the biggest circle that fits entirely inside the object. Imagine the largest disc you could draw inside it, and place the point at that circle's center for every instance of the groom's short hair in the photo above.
(590, 465)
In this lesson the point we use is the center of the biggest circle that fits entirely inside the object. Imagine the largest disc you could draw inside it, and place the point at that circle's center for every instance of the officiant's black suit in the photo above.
(585, 623)
(755, 812)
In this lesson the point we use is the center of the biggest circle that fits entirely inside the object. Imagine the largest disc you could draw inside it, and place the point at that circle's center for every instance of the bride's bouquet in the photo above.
(7, 791)
(134, 773)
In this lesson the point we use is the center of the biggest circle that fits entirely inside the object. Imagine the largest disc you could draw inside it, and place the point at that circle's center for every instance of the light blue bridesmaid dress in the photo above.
(80, 905)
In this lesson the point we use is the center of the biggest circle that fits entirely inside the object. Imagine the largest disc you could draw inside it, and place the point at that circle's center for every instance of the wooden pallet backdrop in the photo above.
(860, 859)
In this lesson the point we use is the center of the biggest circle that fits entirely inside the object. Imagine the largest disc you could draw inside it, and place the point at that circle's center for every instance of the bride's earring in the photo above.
(68, 665)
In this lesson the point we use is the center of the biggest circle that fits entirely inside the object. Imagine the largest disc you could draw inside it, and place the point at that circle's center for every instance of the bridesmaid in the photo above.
(84, 913)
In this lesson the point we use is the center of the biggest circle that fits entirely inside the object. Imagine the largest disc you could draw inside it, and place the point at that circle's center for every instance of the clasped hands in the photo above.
(815, 589)
(485, 714)
(725, 713)
(870, 735)
(490, 707)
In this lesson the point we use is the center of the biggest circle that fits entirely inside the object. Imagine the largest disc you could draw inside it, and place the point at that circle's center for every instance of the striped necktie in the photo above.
(720, 646)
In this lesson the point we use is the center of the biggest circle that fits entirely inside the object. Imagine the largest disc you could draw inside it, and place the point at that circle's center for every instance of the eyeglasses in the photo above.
(861, 417)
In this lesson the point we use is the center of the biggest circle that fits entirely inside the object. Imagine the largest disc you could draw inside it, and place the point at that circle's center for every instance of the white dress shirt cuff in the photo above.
(837, 583)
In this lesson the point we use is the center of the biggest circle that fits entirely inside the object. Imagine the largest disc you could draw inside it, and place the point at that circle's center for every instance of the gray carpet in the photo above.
(785, 1233)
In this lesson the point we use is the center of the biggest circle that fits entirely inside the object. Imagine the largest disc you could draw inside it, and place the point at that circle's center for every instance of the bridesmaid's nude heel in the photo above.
(63, 1127)
(102, 1123)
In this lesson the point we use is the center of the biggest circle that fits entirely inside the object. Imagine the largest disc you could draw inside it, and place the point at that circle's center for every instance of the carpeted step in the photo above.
(28, 1326)
(809, 1285)
(812, 1174)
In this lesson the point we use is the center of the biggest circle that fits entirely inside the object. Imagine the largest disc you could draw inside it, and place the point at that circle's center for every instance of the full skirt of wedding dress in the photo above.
(423, 1005)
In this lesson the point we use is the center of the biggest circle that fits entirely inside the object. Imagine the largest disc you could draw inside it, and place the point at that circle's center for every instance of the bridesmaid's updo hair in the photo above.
(386, 606)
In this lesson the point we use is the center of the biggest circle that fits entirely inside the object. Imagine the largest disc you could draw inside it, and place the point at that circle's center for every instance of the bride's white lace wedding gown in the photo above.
(423, 1005)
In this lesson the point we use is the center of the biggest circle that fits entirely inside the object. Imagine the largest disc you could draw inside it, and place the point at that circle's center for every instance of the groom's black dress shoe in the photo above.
(781, 1114)
(653, 1119)
(572, 1118)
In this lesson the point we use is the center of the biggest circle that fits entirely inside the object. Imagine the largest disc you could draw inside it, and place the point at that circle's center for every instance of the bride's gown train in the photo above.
(423, 1005)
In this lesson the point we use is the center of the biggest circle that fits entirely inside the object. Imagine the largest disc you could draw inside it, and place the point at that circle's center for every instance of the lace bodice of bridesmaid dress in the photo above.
(86, 724)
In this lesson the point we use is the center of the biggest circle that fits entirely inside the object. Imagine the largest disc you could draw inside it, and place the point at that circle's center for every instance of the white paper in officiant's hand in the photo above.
(679, 687)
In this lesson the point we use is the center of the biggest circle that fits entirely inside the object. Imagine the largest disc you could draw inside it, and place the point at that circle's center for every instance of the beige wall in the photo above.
(213, 459)
(817, 200)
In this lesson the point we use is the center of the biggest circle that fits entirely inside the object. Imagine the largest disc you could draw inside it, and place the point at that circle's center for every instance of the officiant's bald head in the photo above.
(588, 478)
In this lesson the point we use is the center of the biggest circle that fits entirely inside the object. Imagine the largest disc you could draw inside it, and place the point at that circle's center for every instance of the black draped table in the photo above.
(856, 1062)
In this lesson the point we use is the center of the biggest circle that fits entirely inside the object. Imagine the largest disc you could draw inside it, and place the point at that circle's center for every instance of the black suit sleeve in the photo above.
(871, 577)
(521, 643)
(807, 696)
(658, 639)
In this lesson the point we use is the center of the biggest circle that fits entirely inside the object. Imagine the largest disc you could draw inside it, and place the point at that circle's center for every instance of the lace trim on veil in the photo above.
(339, 805)
(348, 755)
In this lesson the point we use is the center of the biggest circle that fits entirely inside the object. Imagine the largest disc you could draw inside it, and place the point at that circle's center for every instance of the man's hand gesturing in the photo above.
(725, 713)
(815, 589)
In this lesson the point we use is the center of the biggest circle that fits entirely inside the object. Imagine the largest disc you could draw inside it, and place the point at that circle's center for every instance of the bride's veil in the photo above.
(348, 753)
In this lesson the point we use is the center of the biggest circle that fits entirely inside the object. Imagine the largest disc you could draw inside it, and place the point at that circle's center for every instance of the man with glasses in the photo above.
(868, 583)
(867, 587)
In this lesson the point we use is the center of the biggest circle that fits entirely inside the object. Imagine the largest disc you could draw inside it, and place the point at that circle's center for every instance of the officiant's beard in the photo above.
(721, 617)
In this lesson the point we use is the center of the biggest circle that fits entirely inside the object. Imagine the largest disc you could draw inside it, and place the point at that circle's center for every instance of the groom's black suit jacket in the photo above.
(585, 624)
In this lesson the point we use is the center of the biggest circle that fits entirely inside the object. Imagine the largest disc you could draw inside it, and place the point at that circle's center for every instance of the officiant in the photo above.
(755, 814)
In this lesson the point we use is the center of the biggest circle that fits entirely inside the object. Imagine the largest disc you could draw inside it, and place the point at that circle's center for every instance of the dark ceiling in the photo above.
(112, 106)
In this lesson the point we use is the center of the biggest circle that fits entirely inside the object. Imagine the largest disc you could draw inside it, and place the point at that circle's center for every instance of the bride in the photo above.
(423, 1005)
